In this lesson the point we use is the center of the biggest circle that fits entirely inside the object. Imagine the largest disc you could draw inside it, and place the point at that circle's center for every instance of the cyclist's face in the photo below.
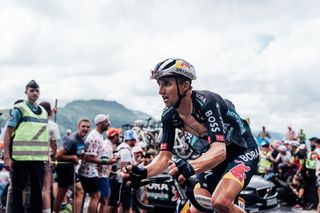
(168, 91)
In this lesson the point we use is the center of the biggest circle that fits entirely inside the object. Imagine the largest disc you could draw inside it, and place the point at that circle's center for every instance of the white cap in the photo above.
(136, 149)
(286, 142)
(282, 148)
(295, 143)
(100, 117)
(302, 146)
(142, 144)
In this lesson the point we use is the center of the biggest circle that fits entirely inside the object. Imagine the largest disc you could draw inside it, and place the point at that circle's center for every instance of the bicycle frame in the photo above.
(185, 193)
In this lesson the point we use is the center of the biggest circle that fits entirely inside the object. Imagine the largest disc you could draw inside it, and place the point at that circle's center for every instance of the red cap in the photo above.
(113, 132)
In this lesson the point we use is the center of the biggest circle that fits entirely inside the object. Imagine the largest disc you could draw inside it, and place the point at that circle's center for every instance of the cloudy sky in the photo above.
(262, 55)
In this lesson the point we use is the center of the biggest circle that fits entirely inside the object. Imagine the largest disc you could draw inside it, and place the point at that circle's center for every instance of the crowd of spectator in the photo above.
(293, 165)
(38, 176)
(87, 168)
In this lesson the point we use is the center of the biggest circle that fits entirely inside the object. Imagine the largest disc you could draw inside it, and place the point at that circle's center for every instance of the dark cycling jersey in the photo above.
(223, 125)
(217, 114)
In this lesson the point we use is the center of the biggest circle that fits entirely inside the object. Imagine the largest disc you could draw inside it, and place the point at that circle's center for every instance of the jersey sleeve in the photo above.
(168, 131)
(214, 122)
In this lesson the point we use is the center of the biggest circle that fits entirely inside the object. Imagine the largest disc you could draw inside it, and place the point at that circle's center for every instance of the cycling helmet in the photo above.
(173, 67)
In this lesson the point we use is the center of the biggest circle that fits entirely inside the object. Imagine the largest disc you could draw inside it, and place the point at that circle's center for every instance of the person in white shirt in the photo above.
(94, 157)
(126, 158)
(54, 136)
(138, 155)
(284, 155)
(104, 172)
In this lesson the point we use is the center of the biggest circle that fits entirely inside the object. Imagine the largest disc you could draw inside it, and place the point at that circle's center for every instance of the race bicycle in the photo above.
(185, 192)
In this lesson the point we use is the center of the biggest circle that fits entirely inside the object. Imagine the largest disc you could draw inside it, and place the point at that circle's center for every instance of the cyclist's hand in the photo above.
(133, 175)
(180, 169)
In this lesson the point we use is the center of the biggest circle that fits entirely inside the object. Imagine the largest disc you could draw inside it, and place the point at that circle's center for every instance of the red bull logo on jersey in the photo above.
(239, 171)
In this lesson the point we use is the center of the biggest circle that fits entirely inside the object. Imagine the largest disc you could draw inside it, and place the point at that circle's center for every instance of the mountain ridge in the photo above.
(68, 116)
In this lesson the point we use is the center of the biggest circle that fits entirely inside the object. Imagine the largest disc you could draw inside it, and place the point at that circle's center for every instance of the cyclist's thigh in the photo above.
(243, 167)
(210, 179)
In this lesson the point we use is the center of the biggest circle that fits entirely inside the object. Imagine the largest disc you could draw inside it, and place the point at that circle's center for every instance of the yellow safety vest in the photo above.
(311, 164)
(30, 142)
(264, 163)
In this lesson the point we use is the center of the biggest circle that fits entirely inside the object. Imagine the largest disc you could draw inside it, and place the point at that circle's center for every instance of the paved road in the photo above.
(285, 209)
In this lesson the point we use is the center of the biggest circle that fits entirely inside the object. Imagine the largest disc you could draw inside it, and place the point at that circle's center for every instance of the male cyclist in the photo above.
(229, 152)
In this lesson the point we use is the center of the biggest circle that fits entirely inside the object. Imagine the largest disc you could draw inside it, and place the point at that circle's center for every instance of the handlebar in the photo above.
(185, 192)
(135, 192)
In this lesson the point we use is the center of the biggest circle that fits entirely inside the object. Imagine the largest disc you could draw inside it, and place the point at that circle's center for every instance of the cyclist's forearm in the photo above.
(213, 157)
(159, 163)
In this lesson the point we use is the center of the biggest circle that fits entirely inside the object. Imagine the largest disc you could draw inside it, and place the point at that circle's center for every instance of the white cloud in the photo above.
(263, 55)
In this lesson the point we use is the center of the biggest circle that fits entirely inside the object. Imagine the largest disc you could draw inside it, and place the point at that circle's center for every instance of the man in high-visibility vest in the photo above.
(29, 148)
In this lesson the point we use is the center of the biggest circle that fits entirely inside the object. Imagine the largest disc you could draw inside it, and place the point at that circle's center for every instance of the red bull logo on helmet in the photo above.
(182, 64)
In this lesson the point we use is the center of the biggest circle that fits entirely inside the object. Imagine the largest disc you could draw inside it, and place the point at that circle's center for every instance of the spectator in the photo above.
(4, 180)
(300, 160)
(287, 143)
(264, 135)
(94, 156)
(264, 163)
(312, 143)
(297, 188)
(113, 139)
(294, 149)
(139, 159)
(291, 134)
(284, 156)
(138, 155)
(26, 191)
(29, 148)
(302, 137)
(310, 179)
(68, 157)
(104, 172)
(274, 145)
(282, 181)
(126, 158)
(54, 136)
(316, 155)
